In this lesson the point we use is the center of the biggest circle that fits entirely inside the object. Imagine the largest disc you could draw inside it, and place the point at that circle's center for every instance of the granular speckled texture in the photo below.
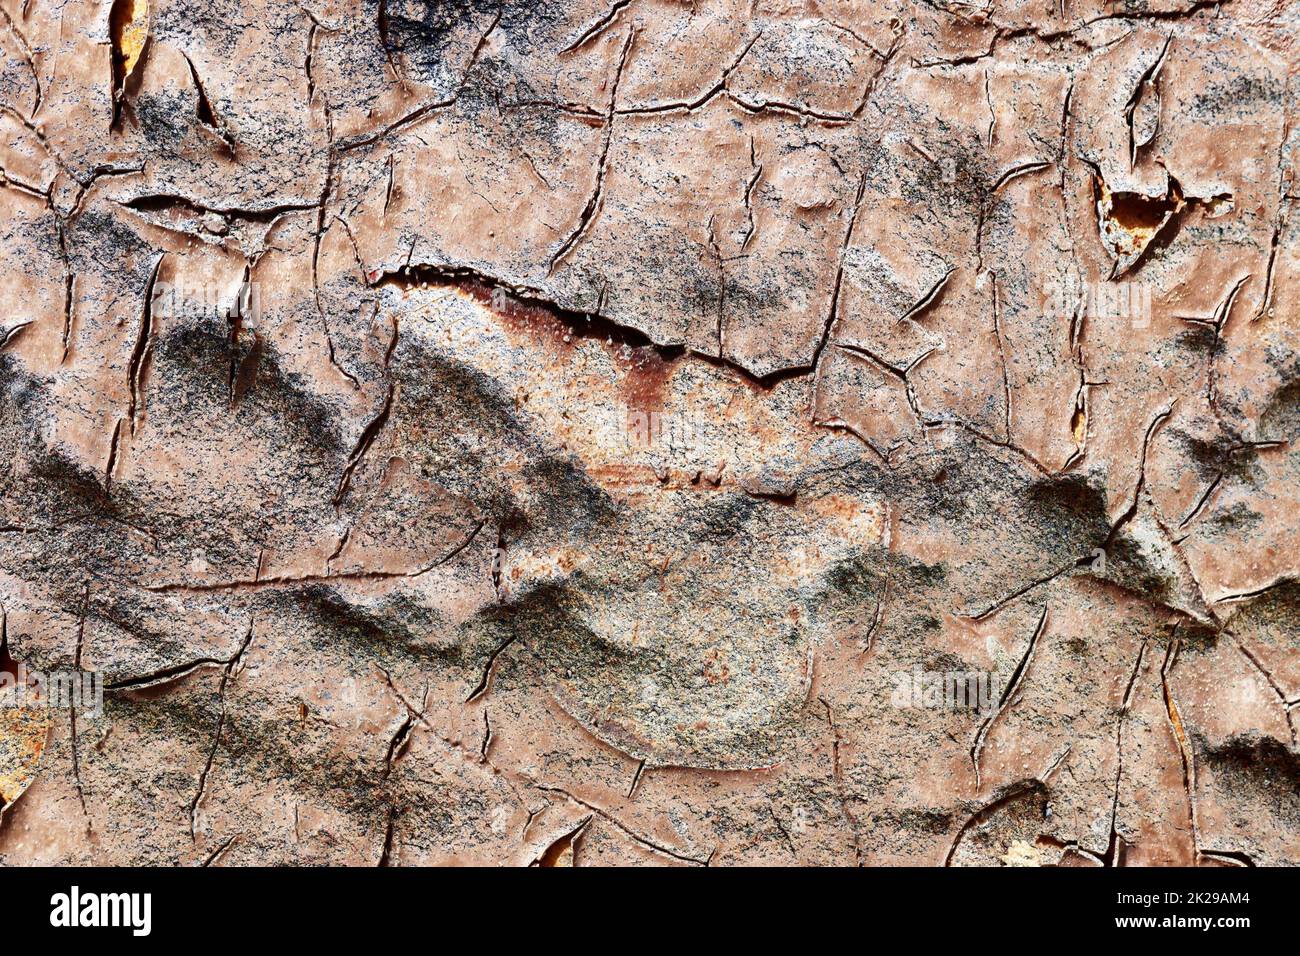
(539, 432)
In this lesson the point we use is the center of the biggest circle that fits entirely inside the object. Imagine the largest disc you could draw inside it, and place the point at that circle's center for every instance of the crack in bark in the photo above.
(929, 298)
(1114, 855)
(1025, 589)
(135, 366)
(833, 318)
(206, 114)
(1160, 418)
(690, 106)
(1009, 793)
(489, 668)
(871, 358)
(1184, 746)
(232, 663)
(72, 710)
(366, 439)
(259, 582)
(220, 851)
(877, 616)
(566, 842)
(1002, 355)
(625, 829)
(594, 202)
(597, 27)
(26, 51)
(1013, 685)
(111, 466)
(636, 779)
(1272, 683)
(838, 778)
(386, 854)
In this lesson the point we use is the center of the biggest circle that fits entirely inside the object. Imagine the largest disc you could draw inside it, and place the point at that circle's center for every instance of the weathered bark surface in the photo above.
(324, 324)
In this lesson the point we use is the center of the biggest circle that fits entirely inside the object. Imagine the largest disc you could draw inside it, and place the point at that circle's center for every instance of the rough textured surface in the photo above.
(543, 432)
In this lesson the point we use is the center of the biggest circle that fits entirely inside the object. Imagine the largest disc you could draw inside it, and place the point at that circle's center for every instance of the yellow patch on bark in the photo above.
(129, 24)
(1079, 426)
(1022, 853)
(23, 732)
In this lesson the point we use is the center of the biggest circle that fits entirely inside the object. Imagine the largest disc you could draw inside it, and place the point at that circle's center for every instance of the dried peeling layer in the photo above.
(565, 434)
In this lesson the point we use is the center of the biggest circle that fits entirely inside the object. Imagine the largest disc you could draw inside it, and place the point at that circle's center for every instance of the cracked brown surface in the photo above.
(324, 323)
